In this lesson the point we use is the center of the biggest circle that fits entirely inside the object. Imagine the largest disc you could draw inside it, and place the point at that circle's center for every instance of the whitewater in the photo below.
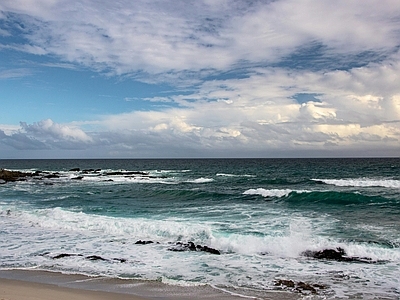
(269, 220)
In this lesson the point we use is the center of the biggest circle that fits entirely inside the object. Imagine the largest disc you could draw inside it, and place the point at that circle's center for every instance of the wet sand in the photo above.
(42, 285)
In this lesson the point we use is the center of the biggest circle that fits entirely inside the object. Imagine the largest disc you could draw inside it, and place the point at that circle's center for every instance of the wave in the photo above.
(233, 175)
(336, 198)
(361, 182)
(307, 197)
(135, 228)
(279, 193)
(292, 242)
(200, 180)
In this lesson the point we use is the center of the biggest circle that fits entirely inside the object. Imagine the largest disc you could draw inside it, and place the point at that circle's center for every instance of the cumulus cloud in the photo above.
(161, 37)
(244, 63)
(48, 128)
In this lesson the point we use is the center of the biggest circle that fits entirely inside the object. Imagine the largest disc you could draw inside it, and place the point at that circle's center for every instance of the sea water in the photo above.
(261, 214)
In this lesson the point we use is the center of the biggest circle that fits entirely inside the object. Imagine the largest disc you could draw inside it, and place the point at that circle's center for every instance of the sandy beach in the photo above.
(22, 290)
(43, 285)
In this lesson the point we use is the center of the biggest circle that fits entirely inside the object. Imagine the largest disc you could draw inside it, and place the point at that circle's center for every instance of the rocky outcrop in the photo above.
(90, 257)
(140, 242)
(337, 254)
(6, 175)
(10, 176)
(190, 246)
(301, 287)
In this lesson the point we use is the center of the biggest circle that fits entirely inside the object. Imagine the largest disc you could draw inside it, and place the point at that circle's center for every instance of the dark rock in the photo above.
(337, 254)
(63, 255)
(319, 286)
(88, 171)
(140, 242)
(121, 260)
(50, 176)
(77, 178)
(301, 286)
(210, 250)
(7, 176)
(75, 170)
(331, 254)
(190, 246)
(95, 257)
(126, 173)
(179, 247)
(283, 282)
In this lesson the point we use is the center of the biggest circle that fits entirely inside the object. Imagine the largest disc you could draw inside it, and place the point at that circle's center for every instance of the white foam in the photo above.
(233, 175)
(169, 229)
(268, 193)
(362, 182)
(201, 180)
(174, 282)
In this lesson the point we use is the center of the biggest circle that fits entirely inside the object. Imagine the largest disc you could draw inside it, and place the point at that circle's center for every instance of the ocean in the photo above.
(321, 228)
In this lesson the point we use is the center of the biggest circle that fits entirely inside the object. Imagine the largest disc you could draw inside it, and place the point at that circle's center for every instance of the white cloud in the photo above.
(160, 37)
(15, 73)
(47, 128)
(254, 110)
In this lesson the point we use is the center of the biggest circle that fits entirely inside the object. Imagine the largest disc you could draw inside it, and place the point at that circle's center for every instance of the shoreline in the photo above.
(47, 285)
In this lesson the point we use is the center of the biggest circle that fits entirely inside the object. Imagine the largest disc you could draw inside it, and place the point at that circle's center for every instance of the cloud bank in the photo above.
(259, 78)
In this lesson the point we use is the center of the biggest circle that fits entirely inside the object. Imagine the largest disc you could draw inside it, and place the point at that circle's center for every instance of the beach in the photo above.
(22, 290)
(43, 285)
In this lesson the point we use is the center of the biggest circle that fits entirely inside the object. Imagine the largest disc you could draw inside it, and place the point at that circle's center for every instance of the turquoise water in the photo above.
(261, 214)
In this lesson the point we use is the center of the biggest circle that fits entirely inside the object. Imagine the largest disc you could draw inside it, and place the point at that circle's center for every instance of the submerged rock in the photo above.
(140, 242)
(90, 257)
(95, 257)
(337, 254)
(301, 287)
(190, 246)
(63, 255)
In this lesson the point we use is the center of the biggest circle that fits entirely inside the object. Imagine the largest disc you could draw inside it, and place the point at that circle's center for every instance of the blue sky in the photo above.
(160, 79)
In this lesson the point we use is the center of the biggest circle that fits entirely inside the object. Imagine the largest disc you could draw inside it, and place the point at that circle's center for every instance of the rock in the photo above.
(77, 178)
(301, 287)
(209, 250)
(190, 246)
(126, 173)
(337, 254)
(7, 176)
(50, 176)
(331, 254)
(140, 242)
(62, 255)
(90, 257)
(95, 257)
(287, 283)
(75, 170)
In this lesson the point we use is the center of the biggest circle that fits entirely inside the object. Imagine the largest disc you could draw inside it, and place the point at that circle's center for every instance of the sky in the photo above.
(199, 78)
